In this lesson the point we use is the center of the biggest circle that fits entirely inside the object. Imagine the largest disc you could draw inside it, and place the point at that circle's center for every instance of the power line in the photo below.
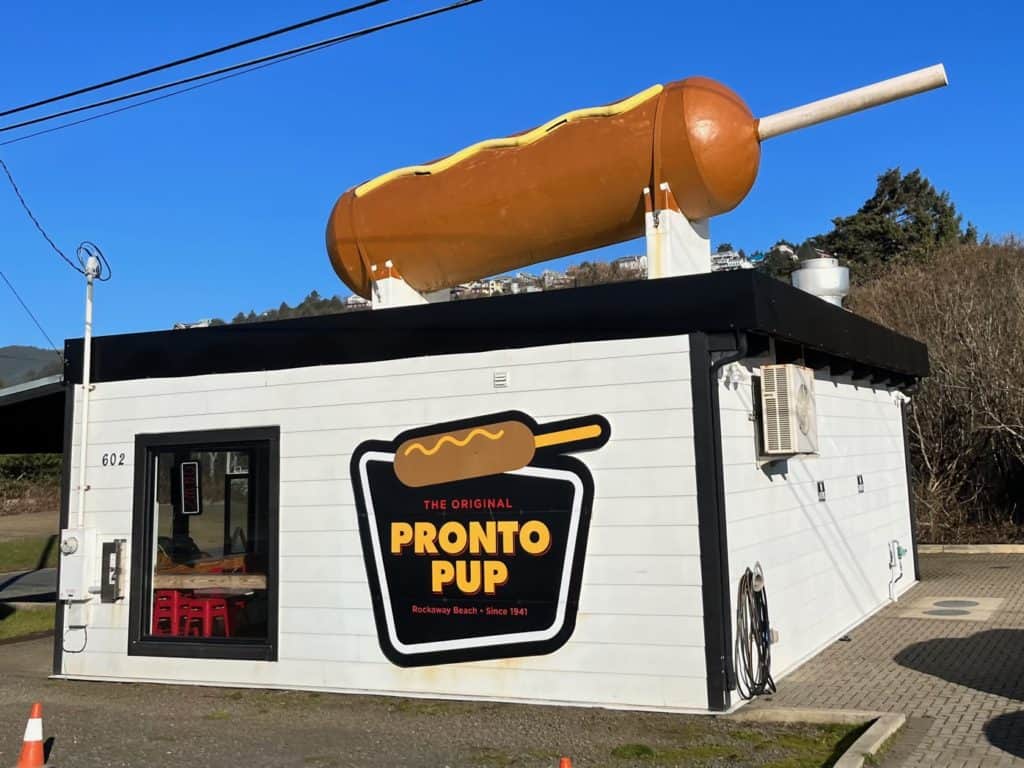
(196, 57)
(245, 65)
(30, 314)
(143, 102)
(32, 216)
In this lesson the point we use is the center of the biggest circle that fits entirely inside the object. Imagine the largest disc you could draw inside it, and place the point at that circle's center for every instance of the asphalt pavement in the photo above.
(29, 586)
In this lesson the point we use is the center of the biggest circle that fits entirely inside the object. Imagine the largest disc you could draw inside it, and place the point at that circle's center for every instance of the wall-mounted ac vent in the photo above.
(789, 417)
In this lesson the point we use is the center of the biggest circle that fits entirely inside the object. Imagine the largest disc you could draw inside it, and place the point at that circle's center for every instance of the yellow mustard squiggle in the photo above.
(511, 141)
(453, 441)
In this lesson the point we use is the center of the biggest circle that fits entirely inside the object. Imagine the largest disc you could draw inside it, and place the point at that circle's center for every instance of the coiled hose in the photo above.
(753, 638)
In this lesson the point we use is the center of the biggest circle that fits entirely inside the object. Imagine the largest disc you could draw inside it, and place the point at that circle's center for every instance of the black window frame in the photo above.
(140, 642)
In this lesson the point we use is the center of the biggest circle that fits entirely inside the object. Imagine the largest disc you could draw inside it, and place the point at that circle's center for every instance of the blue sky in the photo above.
(216, 201)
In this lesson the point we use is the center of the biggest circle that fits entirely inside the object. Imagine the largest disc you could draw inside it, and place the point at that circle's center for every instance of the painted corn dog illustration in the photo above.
(572, 184)
(488, 449)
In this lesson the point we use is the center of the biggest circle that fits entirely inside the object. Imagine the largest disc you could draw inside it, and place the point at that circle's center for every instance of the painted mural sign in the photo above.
(474, 534)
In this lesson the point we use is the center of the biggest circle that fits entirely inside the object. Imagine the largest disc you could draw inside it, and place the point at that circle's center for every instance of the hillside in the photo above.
(19, 364)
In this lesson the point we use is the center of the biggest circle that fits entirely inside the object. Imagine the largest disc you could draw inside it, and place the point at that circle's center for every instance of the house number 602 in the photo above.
(113, 459)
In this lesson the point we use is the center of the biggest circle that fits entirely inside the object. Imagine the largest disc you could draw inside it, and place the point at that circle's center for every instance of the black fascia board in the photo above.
(721, 301)
(794, 315)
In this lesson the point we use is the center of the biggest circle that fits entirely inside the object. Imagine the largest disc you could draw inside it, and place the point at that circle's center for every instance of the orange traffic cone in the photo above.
(565, 762)
(32, 744)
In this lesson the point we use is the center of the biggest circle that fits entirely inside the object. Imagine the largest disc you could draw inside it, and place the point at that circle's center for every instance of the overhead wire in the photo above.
(245, 65)
(144, 102)
(31, 314)
(196, 57)
(88, 249)
(32, 216)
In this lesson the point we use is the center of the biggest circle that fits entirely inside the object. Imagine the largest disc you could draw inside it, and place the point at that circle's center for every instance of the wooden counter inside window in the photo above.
(209, 581)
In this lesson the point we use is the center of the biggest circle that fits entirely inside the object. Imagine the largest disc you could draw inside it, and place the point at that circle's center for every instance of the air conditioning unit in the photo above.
(789, 418)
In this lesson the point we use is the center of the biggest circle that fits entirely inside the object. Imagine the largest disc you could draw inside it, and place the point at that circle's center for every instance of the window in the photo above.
(204, 545)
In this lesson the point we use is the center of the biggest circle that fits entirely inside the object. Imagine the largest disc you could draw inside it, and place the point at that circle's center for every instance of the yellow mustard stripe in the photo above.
(567, 436)
(453, 441)
(510, 141)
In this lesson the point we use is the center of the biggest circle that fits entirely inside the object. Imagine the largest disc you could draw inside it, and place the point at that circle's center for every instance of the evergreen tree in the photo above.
(906, 219)
(779, 260)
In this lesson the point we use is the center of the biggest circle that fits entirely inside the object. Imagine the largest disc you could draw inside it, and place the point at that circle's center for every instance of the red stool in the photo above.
(170, 612)
(203, 611)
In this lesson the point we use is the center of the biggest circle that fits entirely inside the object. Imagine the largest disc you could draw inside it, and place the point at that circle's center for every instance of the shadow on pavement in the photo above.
(51, 542)
(1007, 732)
(989, 661)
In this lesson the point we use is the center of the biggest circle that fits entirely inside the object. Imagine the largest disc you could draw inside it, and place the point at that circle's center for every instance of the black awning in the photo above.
(32, 417)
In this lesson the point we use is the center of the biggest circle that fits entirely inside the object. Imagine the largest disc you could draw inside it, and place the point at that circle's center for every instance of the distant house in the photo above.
(356, 302)
(206, 323)
(550, 279)
(728, 260)
(632, 265)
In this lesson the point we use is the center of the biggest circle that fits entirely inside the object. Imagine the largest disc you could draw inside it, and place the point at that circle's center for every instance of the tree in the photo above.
(967, 441)
(905, 220)
(780, 260)
(724, 248)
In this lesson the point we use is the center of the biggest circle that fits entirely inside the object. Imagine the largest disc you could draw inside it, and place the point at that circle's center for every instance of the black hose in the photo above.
(753, 640)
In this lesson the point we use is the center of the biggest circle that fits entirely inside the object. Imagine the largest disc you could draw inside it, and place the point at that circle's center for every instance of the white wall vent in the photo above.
(500, 379)
(789, 417)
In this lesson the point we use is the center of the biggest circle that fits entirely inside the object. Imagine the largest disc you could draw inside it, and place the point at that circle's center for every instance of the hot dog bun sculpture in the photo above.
(570, 185)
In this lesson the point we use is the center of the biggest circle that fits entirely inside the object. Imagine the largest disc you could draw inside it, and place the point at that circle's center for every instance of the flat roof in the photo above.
(738, 301)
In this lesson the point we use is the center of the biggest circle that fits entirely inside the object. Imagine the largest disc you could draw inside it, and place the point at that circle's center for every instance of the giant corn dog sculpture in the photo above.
(570, 185)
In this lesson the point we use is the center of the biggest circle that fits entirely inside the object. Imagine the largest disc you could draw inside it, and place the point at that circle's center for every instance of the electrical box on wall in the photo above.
(789, 419)
(78, 556)
(112, 571)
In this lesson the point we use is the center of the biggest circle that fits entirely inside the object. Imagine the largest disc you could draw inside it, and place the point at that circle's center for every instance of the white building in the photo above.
(726, 260)
(290, 497)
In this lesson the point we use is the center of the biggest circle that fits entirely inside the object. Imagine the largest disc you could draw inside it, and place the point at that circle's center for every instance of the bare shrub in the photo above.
(967, 421)
(29, 483)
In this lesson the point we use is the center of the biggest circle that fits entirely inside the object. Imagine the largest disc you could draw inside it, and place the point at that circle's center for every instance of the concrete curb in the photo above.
(970, 549)
(884, 726)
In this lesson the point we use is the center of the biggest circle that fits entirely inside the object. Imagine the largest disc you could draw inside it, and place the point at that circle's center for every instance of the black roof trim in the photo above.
(743, 300)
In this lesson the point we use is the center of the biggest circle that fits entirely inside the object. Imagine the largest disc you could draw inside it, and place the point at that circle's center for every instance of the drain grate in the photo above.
(951, 608)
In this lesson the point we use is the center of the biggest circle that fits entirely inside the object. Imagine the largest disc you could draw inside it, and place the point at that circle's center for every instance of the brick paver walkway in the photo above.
(960, 682)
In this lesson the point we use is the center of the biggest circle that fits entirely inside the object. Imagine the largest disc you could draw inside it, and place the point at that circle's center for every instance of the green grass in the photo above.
(28, 554)
(633, 752)
(25, 621)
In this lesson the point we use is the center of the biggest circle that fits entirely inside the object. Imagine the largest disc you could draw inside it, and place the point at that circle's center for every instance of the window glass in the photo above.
(210, 544)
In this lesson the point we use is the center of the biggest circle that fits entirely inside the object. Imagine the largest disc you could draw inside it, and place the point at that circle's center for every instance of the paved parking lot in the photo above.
(949, 655)
(955, 669)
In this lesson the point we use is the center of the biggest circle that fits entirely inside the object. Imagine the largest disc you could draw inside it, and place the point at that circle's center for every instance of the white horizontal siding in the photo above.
(639, 635)
(825, 563)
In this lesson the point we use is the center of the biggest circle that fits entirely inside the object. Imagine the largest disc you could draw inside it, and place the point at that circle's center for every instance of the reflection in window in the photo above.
(209, 560)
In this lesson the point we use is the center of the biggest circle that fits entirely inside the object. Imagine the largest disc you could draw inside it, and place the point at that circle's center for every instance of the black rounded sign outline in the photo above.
(548, 458)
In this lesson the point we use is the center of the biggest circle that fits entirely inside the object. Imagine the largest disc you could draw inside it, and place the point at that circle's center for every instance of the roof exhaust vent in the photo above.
(821, 275)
